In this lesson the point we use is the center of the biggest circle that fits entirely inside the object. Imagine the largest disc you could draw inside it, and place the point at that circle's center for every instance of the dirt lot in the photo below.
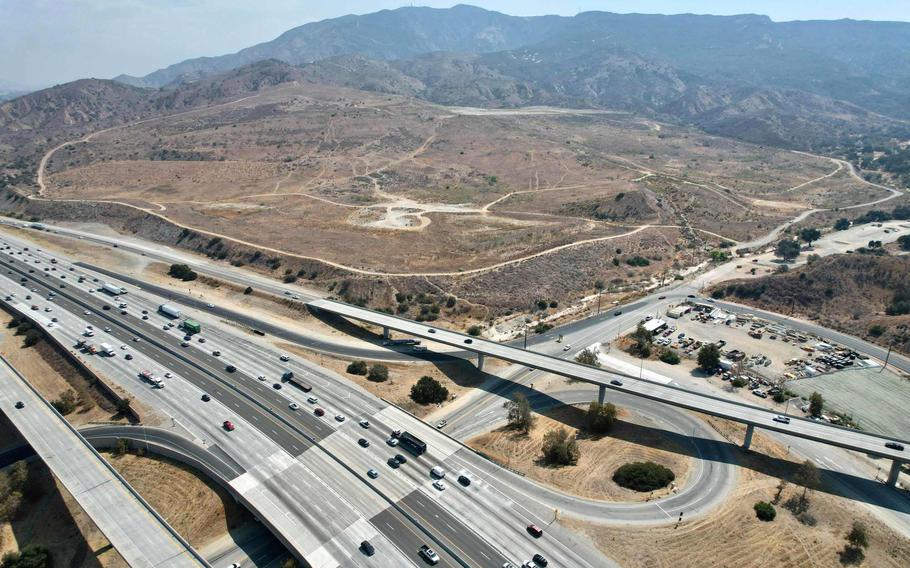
(198, 509)
(732, 537)
(600, 456)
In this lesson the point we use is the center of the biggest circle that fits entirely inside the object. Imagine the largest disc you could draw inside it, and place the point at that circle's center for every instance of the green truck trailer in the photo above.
(191, 326)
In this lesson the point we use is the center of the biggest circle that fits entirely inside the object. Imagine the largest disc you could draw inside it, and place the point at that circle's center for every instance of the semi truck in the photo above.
(405, 341)
(150, 378)
(412, 443)
(169, 310)
(112, 289)
(107, 349)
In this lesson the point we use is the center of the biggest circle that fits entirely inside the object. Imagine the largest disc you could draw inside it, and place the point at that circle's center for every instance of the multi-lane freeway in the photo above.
(305, 475)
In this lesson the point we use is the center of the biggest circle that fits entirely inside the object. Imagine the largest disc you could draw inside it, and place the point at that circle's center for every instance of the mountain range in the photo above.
(810, 84)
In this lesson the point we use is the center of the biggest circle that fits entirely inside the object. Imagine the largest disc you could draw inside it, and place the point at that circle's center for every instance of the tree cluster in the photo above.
(560, 448)
(183, 272)
(643, 476)
(709, 357)
(601, 417)
(428, 390)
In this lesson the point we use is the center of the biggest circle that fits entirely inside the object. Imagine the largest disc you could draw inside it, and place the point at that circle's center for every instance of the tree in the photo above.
(809, 235)
(764, 511)
(66, 404)
(519, 414)
(601, 417)
(904, 242)
(643, 476)
(428, 390)
(808, 476)
(709, 357)
(183, 272)
(560, 448)
(124, 406)
(787, 249)
(599, 285)
(29, 557)
(587, 357)
(474, 330)
(739, 382)
(719, 256)
(32, 337)
(379, 373)
(842, 224)
(357, 368)
(877, 330)
(858, 537)
(816, 404)
(642, 342)
(669, 356)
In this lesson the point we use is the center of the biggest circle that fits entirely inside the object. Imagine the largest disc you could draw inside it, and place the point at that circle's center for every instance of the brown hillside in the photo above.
(852, 293)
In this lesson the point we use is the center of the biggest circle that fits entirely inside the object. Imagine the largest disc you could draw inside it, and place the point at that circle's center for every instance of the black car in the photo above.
(431, 330)
(690, 296)
(393, 463)
(128, 357)
(400, 458)
(367, 548)
(276, 386)
(469, 341)
(206, 398)
(895, 446)
(216, 353)
(230, 368)
(617, 313)
(540, 560)
(105, 307)
(20, 404)
(464, 480)
(364, 443)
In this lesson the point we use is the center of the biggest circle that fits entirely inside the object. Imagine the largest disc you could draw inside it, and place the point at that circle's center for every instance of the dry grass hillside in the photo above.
(854, 293)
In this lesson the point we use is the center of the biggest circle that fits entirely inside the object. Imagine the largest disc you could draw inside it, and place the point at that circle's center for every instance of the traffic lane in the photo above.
(467, 544)
(408, 540)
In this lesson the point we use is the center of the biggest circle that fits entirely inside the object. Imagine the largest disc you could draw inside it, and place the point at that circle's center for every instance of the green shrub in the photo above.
(601, 417)
(669, 357)
(764, 511)
(559, 448)
(428, 390)
(358, 368)
(183, 272)
(378, 373)
(643, 476)
(474, 330)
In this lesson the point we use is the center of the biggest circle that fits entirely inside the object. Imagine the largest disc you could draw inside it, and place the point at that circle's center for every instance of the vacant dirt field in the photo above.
(199, 510)
(732, 537)
(600, 457)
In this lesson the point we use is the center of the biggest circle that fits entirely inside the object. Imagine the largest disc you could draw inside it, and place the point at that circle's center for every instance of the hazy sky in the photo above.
(43, 42)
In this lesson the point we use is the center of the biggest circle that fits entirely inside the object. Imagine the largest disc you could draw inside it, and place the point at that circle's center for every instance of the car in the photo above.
(393, 463)
(400, 458)
(28, 296)
(276, 386)
(136, 340)
(437, 472)
(294, 406)
(210, 305)
(431, 330)
(364, 443)
(339, 417)
(661, 297)
(107, 329)
(540, 560)
(144, 312)
(441, 424)
(19, 404)
(312, 400)
(649, 318)
(285, 358)
(206, 398)
(469, 341)
(184, 344)
(230, 368)
(261, 377)
(168, 375)
(782, 419)
(392, 442)
(372, 473)
(54, 319)
(535, 531)
(464, 480)
(201, 340)
(439, 485)
(128, 357)
(616, 382)
(319, 412)
(396, 433)
(216, 353)
(367, 548)
(86, 313)
(894, 446)
(529, 564)
(428, 554)
(228, 425)
(690, 296)
(508, 565)
(145, 317)
(34, 307)
(364, 423)
(617, 313)
(567, 347)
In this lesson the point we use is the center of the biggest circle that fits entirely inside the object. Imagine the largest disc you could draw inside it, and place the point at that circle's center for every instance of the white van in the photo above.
(438, 472)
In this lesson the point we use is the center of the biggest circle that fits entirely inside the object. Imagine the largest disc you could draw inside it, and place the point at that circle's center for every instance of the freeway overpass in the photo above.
(751, 416)
(141, 536)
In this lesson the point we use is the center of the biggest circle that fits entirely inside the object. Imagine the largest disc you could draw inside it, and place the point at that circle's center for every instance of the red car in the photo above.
(228, 425)
(535, 531)
(319, 412)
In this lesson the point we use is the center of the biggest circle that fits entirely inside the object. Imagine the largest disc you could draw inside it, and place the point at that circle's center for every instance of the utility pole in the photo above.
(599, 293)
(888, 356)
(526, 337)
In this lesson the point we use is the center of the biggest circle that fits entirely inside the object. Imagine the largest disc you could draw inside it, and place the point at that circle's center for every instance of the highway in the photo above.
(752, 416)
(141, 536)
(460, 521)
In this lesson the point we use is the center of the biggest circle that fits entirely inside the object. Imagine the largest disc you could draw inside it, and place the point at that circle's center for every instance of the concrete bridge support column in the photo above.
(385, 333)
(895, 471)
(748, 441)
(480, 361)
(601, 394)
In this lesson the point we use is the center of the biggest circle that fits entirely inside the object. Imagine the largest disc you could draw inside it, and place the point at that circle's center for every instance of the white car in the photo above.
(294, 406)
(168, 375)
(285, 358)
(312, 400)
(210, 305)
(261, 377)
(86, 312)
(392, 442)
(365, 423)
(567, 347)
(439, 484)
(782, 419)
(340, 417)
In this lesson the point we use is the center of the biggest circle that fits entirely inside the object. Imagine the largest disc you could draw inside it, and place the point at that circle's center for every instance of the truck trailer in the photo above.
(112, 289)
(107, 349)
(169, 310)
(191, 326)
